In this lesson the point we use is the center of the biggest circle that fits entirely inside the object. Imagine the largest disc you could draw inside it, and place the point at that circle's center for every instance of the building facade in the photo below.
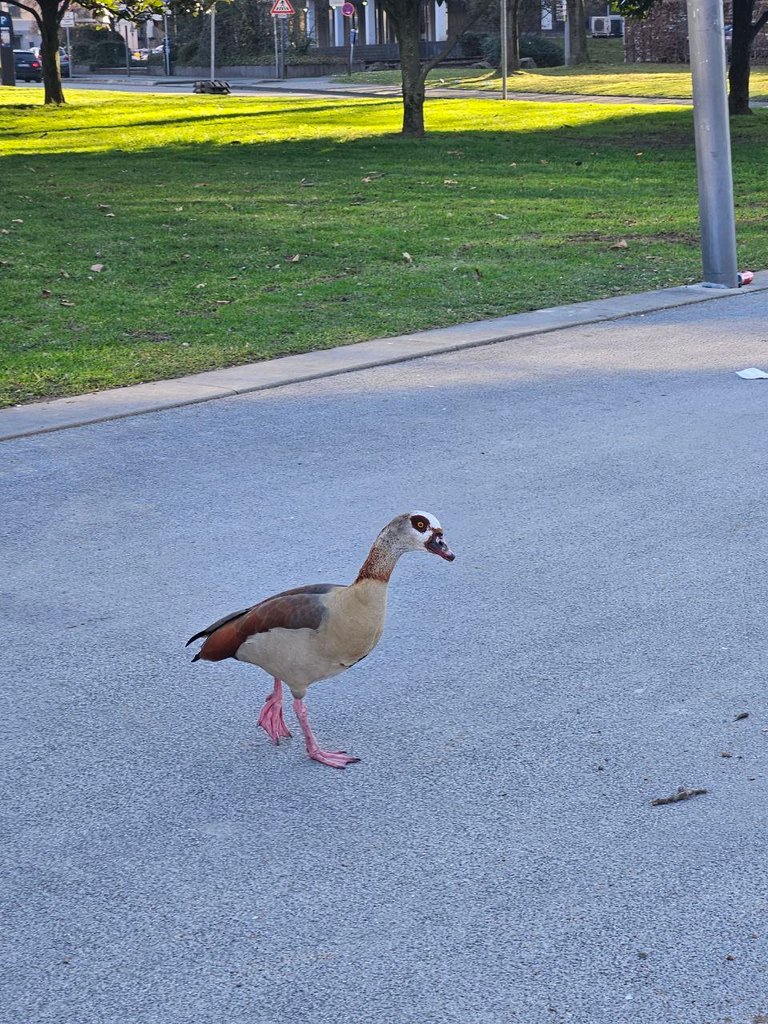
(329, 27)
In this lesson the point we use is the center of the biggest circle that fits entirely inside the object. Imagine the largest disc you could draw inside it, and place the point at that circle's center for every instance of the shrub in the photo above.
(107, 53)
(472, 44)
(545, 52)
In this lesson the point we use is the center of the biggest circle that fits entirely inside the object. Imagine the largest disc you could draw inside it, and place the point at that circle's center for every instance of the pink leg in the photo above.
(271, 718)
(335, 758)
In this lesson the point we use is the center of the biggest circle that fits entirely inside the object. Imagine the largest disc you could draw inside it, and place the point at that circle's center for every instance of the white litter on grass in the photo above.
(752, 373)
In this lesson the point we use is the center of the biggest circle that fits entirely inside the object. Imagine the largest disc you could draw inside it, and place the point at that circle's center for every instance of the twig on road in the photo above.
(681, 794)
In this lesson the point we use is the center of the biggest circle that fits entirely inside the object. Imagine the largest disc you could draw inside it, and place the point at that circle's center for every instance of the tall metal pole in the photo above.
(567, 38)
(277, 51)
(713, 143)
(213, 42)
(504, 55)
(166, 46)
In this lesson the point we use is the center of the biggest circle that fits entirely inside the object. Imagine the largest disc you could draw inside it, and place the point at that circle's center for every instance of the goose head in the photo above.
(418, 531)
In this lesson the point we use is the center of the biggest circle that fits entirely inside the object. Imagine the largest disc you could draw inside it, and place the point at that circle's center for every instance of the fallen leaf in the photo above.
(450, 181)
(621, 244)
(501, 216)
(741, 716)
(97, 268)
(65, 302)
(45, 293)
(223, 302)
(292, 259)
(16, 220)
(109, 215)
(201, 285)
(407, 257)
(103, 206)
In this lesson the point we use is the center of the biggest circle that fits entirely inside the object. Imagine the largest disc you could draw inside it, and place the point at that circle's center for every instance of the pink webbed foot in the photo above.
(333, 758)
(271, 718)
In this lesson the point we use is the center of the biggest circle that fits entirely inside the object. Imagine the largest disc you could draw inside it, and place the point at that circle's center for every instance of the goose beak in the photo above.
(436, 544)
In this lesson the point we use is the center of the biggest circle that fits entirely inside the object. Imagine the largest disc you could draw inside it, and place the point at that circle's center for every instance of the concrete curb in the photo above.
(64, 413)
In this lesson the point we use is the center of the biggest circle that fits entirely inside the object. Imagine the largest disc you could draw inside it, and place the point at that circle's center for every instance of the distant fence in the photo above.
(263, 70)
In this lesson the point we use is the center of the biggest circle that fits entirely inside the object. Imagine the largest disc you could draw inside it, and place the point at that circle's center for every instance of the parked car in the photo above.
(28, 67)
(64, 62)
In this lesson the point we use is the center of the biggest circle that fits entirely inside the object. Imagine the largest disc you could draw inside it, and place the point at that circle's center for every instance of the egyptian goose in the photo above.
(319, 631)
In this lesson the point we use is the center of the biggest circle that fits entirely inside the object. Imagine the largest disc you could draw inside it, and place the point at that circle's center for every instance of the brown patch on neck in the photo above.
(377, 566)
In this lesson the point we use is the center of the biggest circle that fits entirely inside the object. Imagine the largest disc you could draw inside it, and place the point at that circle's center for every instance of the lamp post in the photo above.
(213, 42)
(504, 55)
(713, 143)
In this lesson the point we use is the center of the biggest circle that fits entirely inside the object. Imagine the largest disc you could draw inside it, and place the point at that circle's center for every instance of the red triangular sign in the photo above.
(282, 7)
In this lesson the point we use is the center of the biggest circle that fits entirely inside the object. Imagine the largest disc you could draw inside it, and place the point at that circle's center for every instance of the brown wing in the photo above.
(301, 608)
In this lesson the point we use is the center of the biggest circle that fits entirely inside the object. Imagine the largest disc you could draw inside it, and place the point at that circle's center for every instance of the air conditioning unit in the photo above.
(600, 26)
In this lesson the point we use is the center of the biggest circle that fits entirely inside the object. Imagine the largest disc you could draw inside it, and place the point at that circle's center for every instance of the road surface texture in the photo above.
(494, 858)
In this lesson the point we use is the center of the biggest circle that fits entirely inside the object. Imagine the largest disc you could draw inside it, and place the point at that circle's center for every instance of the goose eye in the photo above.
(419, 523)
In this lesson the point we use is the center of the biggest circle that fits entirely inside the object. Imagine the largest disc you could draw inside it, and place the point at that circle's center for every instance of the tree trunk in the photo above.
(738, 68)
(513, 35)
(49, 51)
(407, 21)
(413, 91)
(577, 31)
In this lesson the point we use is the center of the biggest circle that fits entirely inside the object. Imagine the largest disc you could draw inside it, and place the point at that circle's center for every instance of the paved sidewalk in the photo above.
(41, 417)
(494, 858)
(327, 86)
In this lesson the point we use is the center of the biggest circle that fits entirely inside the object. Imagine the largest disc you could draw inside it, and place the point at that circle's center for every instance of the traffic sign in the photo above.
(68, 20)
(347, 10)
(282, 7)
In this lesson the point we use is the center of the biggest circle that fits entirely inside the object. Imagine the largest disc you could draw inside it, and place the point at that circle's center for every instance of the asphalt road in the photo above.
(494, 858)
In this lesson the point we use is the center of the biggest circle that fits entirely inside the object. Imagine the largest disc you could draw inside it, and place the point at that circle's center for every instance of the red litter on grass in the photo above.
(746, 277)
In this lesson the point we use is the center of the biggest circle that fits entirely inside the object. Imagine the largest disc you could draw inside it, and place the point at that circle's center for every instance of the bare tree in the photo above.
(48, 15)
(745, 28)
(577, 31)
(406, 16)
(513, 34)
(747, 22)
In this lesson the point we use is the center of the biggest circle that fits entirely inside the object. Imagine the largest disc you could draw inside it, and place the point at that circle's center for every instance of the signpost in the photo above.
(281, 11)
(349, 11)
(67, 22)
(6, 50)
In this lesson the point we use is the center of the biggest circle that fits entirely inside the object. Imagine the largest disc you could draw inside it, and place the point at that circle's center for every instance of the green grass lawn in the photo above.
(148, 236)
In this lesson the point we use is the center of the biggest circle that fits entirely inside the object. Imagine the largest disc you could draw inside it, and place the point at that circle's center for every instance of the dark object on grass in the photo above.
(214, 88)
(681, 794)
